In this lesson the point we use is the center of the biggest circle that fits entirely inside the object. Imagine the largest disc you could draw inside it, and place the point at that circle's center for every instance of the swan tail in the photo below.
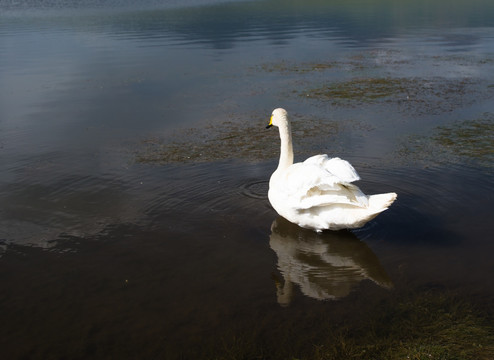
(358, 217)
(381, 202)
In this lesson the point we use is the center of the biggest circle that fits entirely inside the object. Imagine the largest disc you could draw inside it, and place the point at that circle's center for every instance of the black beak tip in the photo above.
(268, 126)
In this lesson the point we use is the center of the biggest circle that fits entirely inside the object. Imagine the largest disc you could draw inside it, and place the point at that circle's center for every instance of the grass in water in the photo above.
(430, 325)
(363, 89)
(248, 141)
(460, 141)
(367, 78)
(288, 67)
(411, 95)
(472, 138)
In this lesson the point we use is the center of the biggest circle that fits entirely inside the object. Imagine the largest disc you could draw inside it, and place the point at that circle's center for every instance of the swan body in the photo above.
(318, 193)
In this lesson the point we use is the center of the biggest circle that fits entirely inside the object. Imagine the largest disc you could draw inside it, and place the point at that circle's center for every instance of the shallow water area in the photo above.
(134, 169)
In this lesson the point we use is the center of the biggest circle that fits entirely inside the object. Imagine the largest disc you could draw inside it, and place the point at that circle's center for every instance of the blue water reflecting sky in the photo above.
(114, 68)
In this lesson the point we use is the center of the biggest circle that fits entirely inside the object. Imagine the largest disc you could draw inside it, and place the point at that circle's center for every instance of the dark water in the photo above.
(134, 221)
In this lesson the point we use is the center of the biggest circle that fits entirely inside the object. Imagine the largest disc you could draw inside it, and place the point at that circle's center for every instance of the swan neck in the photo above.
(286, 154)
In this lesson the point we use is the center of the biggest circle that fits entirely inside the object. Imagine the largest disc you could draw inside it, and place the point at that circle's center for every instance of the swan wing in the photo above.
(342, 169)
(321, 181)
(345, 194)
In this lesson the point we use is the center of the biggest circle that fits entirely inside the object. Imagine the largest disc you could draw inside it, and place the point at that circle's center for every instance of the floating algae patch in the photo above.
(474, 138)
(465, 140)
(245, 140)
(367, 60)
(464, 60)
(389, 78)
(290, 67)
(361, 89)
(430, 96)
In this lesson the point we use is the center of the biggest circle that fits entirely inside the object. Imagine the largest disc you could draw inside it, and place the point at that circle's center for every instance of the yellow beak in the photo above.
(270, 122)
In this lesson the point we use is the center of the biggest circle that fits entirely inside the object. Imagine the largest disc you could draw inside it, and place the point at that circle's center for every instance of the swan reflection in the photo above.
(324, 265)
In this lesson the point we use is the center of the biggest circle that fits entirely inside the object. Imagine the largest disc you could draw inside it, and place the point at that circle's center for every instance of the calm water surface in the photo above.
(134, 220)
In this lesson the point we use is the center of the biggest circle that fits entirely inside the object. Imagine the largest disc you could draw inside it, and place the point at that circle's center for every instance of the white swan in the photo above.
(317, 194)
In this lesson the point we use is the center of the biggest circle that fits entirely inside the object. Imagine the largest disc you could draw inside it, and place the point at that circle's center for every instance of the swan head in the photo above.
(278, 117)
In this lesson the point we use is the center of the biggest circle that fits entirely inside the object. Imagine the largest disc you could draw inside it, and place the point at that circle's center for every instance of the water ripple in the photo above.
(256, 189)
(431, 201)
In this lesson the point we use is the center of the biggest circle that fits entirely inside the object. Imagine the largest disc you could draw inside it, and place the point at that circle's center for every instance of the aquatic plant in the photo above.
(361, 89)
(246, 140)
(420, 96)
(290, 67)
(430, 324)
(469, 140)
(369, 77)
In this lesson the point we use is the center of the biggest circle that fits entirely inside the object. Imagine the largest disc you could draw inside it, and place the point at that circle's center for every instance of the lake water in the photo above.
(134, 167)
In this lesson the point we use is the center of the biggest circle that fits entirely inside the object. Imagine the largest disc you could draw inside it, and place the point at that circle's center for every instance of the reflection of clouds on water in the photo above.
(325, 265)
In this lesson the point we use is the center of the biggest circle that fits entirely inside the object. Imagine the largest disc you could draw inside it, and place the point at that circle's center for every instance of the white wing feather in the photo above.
(342, 169)
(320, 181)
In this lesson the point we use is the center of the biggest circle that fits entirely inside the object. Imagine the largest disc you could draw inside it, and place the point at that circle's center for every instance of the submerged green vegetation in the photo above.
(363, 89)
(426, 325)
(366, 80)
(353, 64)
(245, 140)
(470, 140)
(418, 96)
(288, 67)
(379, 76)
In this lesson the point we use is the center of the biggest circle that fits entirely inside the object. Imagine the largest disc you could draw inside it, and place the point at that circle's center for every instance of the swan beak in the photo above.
(270, 122)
